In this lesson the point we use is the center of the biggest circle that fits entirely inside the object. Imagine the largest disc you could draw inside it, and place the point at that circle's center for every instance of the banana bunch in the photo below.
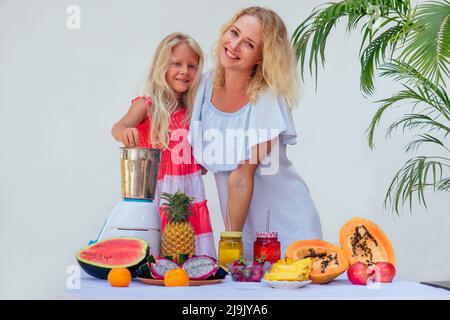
(288, 269)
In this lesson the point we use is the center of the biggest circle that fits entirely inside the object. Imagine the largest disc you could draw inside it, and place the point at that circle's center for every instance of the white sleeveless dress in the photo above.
(221, 140)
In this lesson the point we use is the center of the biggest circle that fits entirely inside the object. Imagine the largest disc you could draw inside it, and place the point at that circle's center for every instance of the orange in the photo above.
(119, 277)
(176, 278)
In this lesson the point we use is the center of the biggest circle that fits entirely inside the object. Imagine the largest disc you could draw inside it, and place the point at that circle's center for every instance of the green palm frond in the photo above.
(430, 113)
(375, 53)
(419, 121)
(444, 185)
(403, 72)
(433, 101)
(317, 26)
(424, 138)
(410, 46)
(432, 93)
(408, 95)
(428, 48)
(315, 29)
(387, 103)
(412, 179)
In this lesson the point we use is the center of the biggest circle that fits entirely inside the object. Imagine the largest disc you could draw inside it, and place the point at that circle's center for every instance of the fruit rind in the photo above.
(349, 228)
(194, 265)
(104, 248)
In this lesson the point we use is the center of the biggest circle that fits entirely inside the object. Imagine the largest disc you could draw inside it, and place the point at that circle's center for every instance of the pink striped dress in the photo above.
(179, 171)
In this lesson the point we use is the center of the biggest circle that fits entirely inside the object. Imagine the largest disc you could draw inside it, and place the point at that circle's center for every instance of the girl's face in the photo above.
(182, 68)
(241, 45)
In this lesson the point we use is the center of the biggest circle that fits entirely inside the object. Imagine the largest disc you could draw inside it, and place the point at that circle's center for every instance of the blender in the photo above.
(137, 215)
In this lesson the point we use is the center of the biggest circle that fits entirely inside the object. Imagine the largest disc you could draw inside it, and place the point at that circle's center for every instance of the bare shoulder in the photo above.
(137, 112)
(141, 104)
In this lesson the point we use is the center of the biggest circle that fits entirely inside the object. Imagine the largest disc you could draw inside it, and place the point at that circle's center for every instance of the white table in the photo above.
(340, 288)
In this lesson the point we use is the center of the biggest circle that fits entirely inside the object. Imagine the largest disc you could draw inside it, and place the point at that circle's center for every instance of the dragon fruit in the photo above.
(200, 267)
(159, 269)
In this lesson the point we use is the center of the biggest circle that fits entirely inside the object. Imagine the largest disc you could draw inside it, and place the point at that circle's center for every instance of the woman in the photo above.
(241, 125)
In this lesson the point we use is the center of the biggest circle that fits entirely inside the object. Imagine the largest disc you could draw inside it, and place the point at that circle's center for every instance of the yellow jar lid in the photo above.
(231, 234)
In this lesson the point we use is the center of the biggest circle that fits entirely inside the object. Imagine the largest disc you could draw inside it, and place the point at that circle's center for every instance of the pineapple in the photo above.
(178, 235)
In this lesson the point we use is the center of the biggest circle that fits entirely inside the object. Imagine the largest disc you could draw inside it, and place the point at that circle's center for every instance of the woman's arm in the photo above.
(240, 186)
(204, 170)
(125, 129)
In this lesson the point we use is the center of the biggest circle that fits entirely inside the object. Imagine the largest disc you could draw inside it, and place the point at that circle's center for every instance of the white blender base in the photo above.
(138, 219)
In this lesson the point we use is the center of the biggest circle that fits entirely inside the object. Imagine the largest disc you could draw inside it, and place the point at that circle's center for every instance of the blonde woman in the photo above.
(242, 124)
(160, 119)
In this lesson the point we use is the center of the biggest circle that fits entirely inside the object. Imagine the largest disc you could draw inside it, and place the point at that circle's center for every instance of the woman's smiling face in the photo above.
(241, 44)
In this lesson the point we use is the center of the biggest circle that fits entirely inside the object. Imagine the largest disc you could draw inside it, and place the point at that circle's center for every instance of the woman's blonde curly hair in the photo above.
(278, 69)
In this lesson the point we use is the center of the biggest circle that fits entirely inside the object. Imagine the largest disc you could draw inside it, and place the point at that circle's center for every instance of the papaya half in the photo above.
(364, 241)
(329, 261)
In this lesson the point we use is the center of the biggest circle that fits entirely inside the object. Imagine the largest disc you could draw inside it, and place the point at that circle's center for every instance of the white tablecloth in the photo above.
(340, 288)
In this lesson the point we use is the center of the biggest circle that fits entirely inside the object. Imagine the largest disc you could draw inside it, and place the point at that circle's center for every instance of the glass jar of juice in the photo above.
(230, 247)
(267, 244)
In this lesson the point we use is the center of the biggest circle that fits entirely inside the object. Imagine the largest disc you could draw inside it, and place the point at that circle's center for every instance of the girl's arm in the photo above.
(240, 186)
(125, 130)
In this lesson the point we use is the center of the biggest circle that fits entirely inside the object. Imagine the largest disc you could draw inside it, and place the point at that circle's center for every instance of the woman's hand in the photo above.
(130, 137)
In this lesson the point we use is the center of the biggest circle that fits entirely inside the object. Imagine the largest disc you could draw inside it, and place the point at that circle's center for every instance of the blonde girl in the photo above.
(160, 119)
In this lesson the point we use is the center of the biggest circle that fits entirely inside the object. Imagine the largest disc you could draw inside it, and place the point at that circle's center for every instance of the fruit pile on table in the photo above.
(364, 252)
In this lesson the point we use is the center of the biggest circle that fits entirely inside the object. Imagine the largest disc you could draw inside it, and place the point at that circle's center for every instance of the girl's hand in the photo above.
(130, 137)
(125, 130)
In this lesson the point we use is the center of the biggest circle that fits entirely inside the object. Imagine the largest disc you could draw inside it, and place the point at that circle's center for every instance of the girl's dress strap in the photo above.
(147, 101)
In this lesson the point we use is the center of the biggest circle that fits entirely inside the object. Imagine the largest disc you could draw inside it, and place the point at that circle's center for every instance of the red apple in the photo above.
(359, 273)
(384, 271)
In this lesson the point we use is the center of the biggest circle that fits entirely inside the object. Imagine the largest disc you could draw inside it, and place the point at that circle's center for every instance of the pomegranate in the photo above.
(384, 271)
(359, 273)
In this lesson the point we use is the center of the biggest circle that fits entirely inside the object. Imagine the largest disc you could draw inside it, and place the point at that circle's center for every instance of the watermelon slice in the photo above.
(99, 258)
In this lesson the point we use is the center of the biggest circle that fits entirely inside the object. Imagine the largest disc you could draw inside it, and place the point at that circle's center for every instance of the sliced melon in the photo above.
(329, 261)
(364, 241)
(99, 258)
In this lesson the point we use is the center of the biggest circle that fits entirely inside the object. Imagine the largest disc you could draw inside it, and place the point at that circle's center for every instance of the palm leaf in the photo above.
(418, 121)
(315, 29)
(428, 49)
(412, 179)
(424, 138)
(375, 53)
(387, 103)
(402, 72)
(426, 91)
(434, 99)
(444, 185)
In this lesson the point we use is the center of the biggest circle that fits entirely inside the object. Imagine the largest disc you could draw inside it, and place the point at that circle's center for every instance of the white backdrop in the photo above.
(61, 91)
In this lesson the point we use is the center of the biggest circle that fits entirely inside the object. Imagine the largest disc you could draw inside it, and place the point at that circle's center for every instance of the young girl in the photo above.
(160, 119)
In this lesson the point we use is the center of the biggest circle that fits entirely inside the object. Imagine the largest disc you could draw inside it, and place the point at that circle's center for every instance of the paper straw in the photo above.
(229, 219)
(268, 220)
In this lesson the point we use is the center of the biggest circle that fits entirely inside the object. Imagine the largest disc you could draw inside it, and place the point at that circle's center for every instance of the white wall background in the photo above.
(61, 90)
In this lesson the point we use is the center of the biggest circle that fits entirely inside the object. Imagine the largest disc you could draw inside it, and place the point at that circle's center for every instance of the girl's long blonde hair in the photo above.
(163, 98)
(278, 70)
